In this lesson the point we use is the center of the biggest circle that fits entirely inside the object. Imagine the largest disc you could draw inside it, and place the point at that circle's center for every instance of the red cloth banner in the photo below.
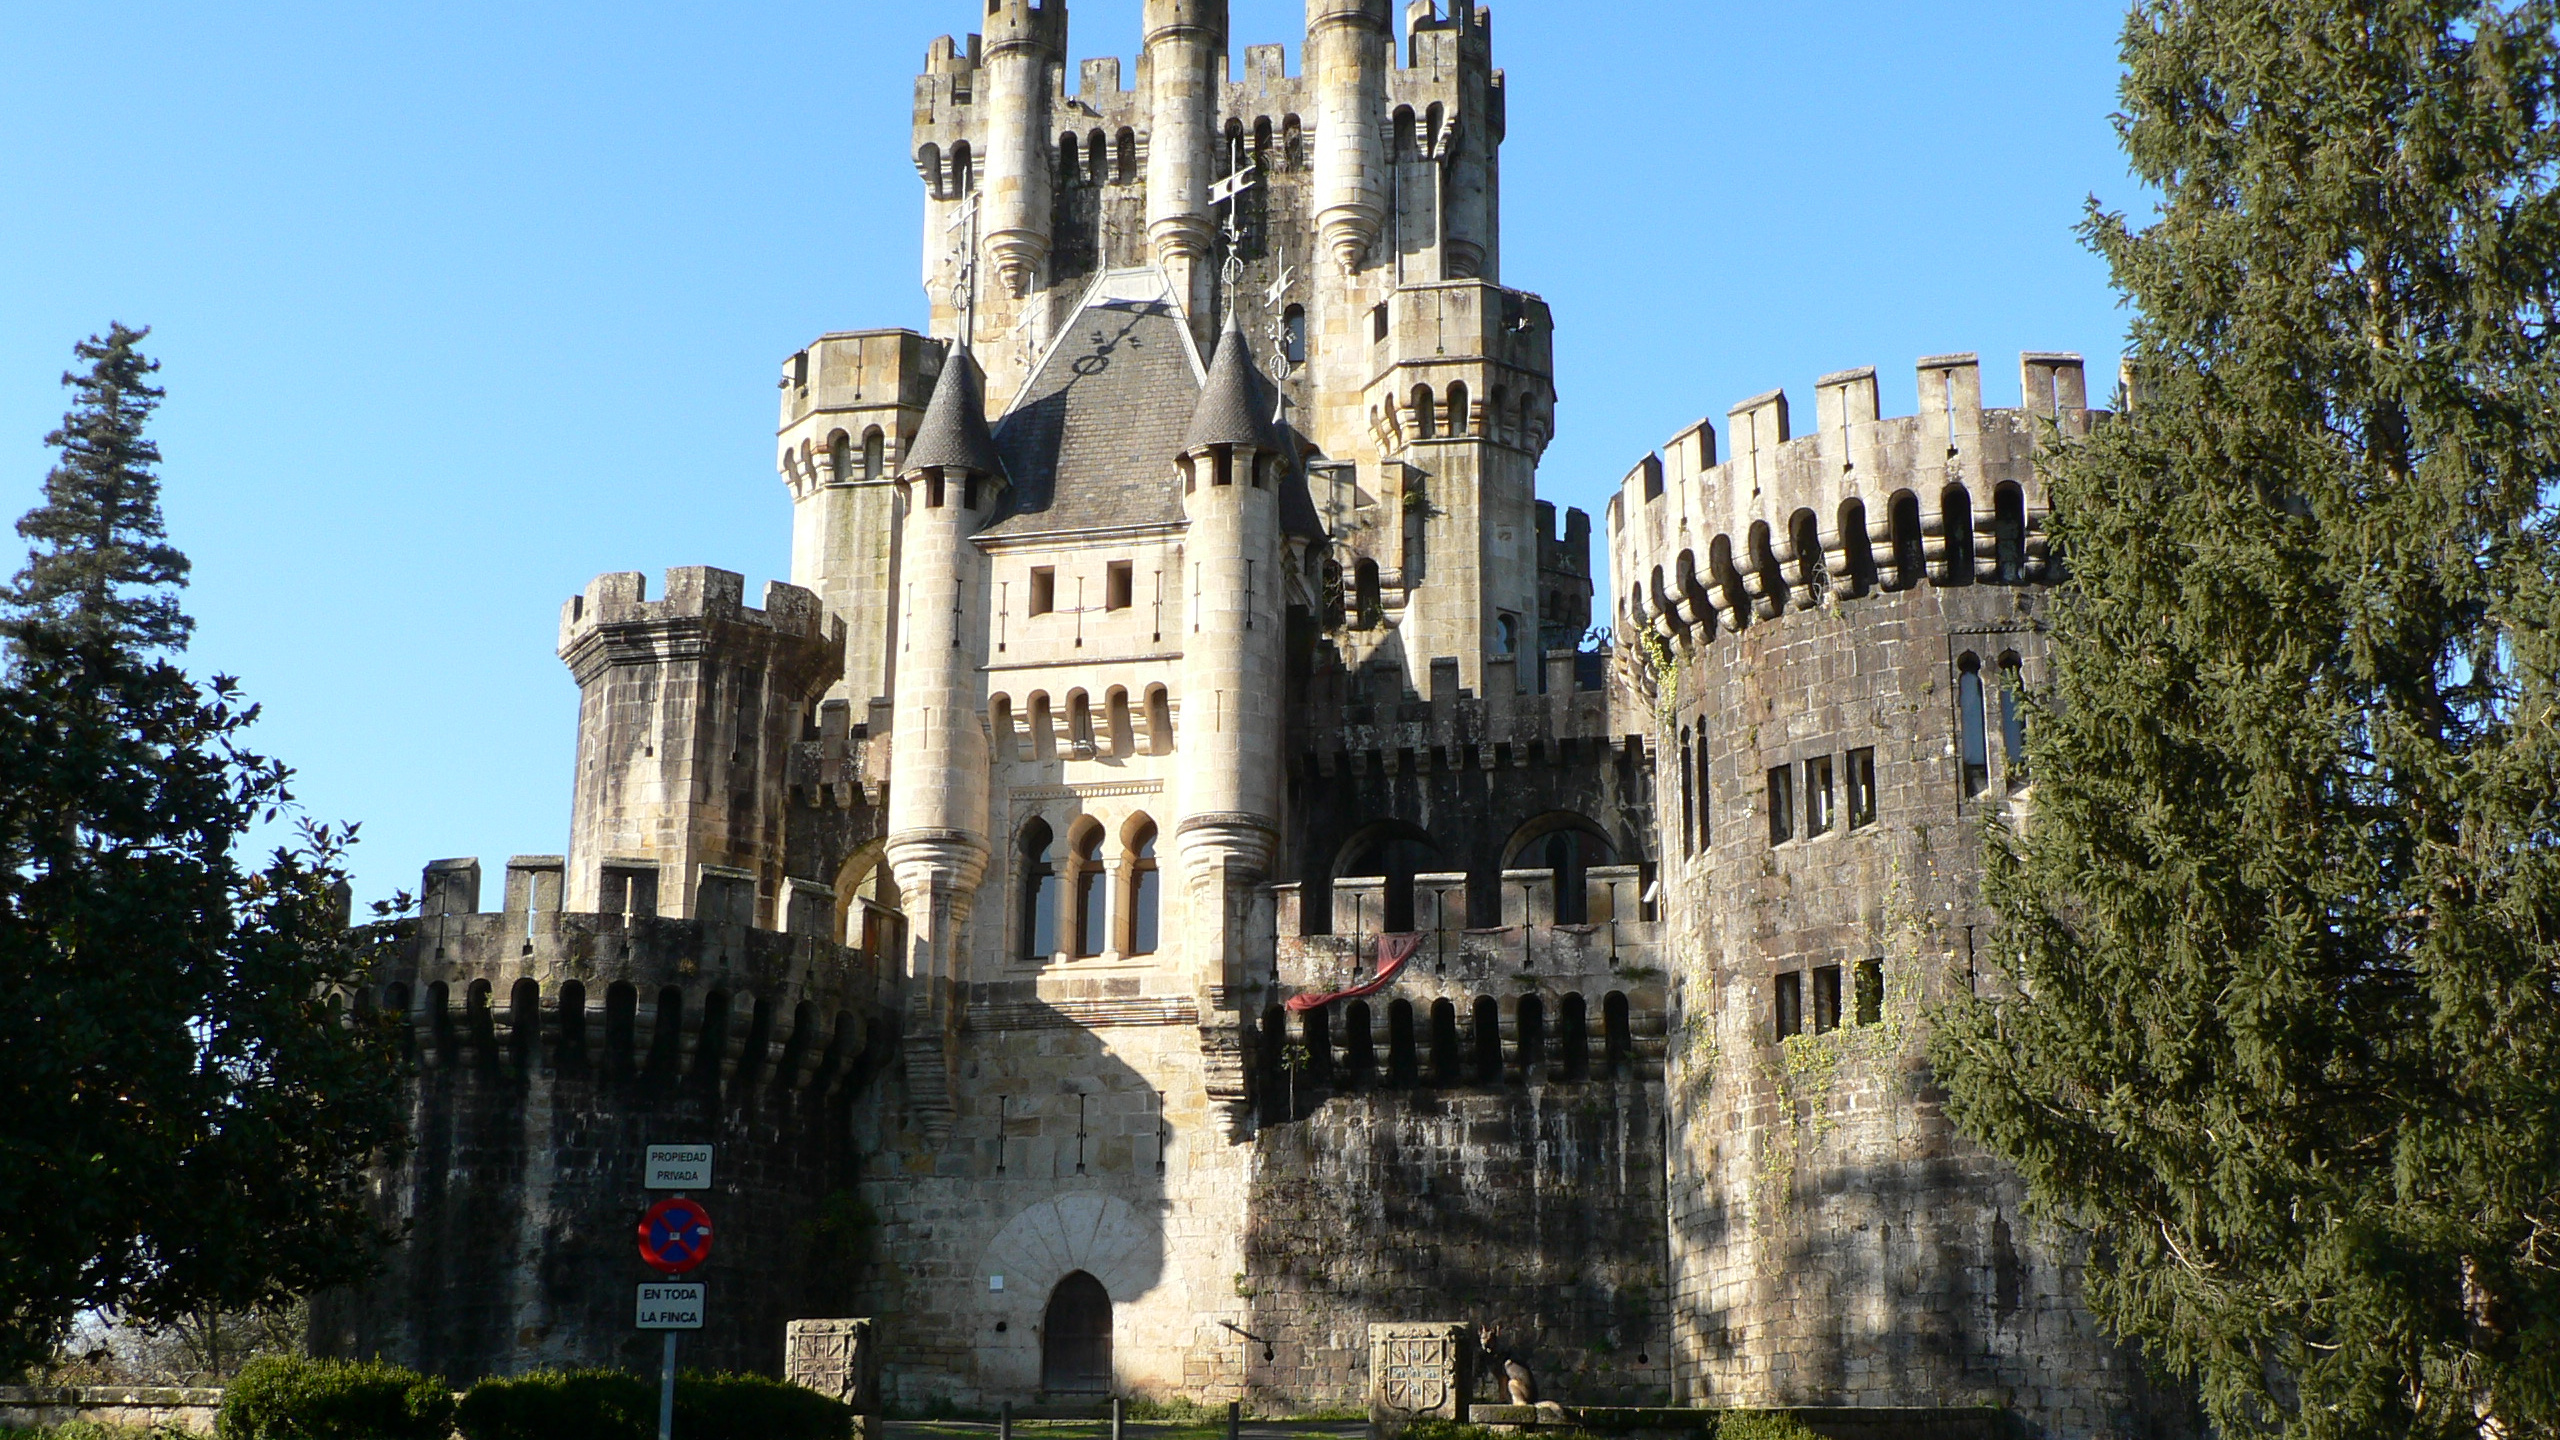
(1393, 951)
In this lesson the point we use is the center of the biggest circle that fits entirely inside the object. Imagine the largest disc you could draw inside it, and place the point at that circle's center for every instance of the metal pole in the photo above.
(1004, 1421)
(1119, 1417)
(667, 1393)
(1235, 1420)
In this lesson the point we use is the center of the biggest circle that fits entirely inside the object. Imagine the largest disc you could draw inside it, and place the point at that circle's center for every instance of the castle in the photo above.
(1165, 887)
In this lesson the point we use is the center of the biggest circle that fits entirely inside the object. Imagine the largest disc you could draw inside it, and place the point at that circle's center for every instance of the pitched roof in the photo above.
(1092, 441)
(1236, 403)
(954, 434)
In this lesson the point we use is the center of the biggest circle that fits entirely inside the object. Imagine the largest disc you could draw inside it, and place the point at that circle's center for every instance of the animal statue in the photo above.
(1507, 1369)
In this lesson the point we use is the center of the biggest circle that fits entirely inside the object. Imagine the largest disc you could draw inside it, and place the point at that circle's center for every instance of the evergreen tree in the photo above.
(2281, 1030)
(186, 1107)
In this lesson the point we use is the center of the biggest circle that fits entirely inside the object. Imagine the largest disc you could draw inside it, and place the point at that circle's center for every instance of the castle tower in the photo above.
(1026, 43)
(1231, 655)
(1184, 63)
(851, 403)
(1349, 45)
(687, 708)
(937, 833)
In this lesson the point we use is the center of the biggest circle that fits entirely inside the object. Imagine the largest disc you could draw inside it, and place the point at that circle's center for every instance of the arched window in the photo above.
(929, 164)
(621, 1024)
(1359, 1048)
(1044, 733)
(1973, 747)
(1145, 891)
(1128, 148)
(1093, 906)
(1425, 414)
(1262, 143)
(1444, 1042)
(1315, 1031)
(1097, 159)
(1075, 1338)
(1574, 1029)
(2009, 526)
(1506, 635)
(963, 179)
(840, 457)
(1116, 720)
(1070, 162)
(1533, 1039)
(1401, 131)
(1854, 541)
(1293, 142)
(1000, 728)
(1617, 1042)
(1488, 1038)
(1293, 328)
(1459, 417)
(1037, 936)
(1365, 585)
(2013, 721)
(1402, 1067)
(1688, 799)
(875, 453)
(1910, 562)
(1159, 721)
(1955, 511)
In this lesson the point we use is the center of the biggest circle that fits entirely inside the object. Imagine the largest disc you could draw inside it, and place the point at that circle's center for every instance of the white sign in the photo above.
(679, 1167)
(669, 1306)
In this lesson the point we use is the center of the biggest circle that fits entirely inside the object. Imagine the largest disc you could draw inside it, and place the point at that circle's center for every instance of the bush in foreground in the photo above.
(610, 1405)
(283, 1397)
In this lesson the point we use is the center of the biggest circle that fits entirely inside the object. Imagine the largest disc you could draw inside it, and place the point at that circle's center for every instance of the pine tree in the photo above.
(186, 1108)
(2281, 1031)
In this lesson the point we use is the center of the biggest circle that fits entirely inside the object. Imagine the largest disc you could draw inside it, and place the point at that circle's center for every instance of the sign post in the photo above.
(675, 1238)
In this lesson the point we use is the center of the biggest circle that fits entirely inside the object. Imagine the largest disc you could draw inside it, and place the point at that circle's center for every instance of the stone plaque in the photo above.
(836, 1358)
(1418, 1370)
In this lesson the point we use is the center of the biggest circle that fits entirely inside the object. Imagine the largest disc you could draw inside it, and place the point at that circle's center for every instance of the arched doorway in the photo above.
(1075, 1338)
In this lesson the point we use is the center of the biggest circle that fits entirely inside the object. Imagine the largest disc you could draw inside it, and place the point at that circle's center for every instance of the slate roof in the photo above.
(954, 433)
(1092, 442)
(1236, 404)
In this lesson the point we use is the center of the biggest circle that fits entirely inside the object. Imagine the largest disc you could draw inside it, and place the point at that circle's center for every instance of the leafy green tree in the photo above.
(2282, 1026)
(186, 1107)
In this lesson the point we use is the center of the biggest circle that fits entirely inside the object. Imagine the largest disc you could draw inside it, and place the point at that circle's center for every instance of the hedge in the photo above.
(285, 1397)
(610, 1405)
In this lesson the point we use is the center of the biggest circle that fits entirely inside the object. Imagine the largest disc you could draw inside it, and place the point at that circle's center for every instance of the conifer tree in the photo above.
(186, 1108)
(2281, 1031)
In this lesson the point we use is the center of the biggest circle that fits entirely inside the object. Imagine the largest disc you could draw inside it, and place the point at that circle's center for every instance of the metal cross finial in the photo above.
(964, 271)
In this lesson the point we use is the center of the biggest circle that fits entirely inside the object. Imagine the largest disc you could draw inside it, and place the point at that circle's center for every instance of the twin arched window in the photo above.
(1077, 905)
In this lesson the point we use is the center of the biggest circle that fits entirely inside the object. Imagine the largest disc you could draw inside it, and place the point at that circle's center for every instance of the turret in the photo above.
(952, 483)
(1185, 59)
(1349, 48)
(687, 708)
(1024, 40)
(1231, 655)
(851, 403)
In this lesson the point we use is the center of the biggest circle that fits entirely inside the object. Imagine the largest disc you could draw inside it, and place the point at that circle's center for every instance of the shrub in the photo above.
(285, 1397)
(610, 1405)
(1761, 1425)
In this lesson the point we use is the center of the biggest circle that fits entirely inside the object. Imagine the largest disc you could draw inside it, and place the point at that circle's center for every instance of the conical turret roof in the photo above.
(954, 435)
(1235, 404)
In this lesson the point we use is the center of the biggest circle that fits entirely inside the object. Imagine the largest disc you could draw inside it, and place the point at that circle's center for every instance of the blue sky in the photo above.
(462, 304)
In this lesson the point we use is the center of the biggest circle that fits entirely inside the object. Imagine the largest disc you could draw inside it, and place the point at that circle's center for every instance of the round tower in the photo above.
(1024, 40)
(1348, 52)
(1185, 59)
(937, 846)
(1231, 655)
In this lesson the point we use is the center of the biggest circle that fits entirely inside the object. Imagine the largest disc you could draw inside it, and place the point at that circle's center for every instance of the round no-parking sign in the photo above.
(675, 1236)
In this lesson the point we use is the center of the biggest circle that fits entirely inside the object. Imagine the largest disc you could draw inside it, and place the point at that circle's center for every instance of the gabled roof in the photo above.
(1092, 441)
(954, 434)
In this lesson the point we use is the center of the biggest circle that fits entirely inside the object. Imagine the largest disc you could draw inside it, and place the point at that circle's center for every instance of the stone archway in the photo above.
(1075, 1338)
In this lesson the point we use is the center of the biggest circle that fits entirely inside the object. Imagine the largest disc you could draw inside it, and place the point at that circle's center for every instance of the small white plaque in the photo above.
(995, 1282)
(668, 1305)
(679, 1167)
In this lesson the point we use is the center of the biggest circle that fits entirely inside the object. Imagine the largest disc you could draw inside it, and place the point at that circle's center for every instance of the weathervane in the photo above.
(964, 272)
(1230, 193)
(1282, 364)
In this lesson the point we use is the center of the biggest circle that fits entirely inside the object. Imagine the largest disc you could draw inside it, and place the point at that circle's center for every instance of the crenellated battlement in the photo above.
(696, 595)
(1372, 720)
(1950, 496)
(631, 995)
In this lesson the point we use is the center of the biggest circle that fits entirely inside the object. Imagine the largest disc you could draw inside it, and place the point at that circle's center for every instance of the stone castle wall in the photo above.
(551, 1050)
(1835, 627)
